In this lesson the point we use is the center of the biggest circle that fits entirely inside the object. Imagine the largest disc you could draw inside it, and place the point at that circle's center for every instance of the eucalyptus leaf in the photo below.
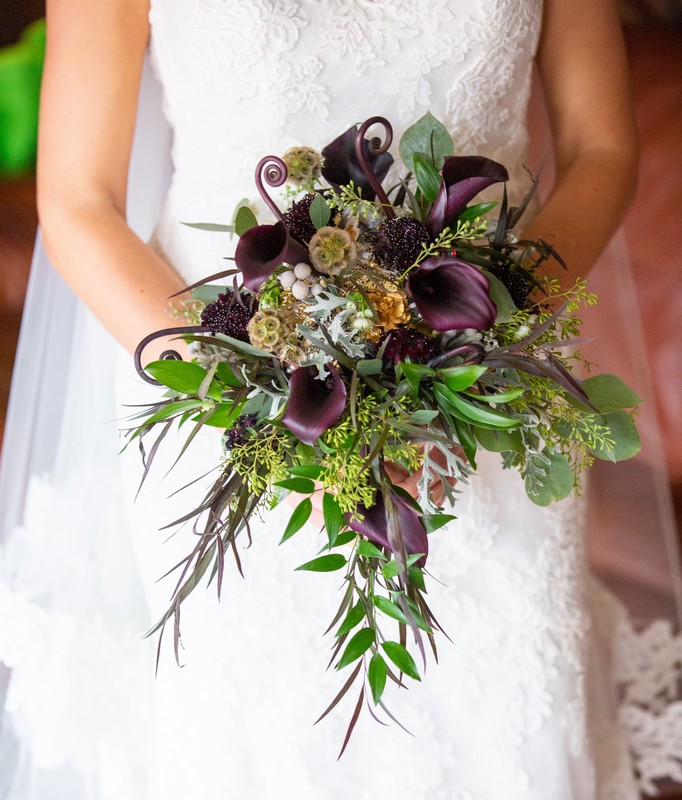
(609, 393)
(320, 213)
(299, 517)
(207, 293)
(499, 441)
(210, 226)
(428, 137)
(556, 484)
(623, 431)
(376, 676)
(326, 563)
(244, 220)
(357, 646)
(401, 658)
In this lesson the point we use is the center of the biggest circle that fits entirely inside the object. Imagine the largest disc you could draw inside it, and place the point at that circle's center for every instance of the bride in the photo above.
(523, 704)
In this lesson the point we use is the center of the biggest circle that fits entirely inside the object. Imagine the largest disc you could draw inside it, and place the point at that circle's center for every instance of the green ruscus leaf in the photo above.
(354, 617)
(359, 644)
(376, 675)
(299, 485)
(389, 608)
(299, 517)
(401, 658)
(328, 563)
(333, 517)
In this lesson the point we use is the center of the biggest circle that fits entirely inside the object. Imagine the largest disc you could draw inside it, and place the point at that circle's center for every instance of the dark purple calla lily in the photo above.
(451, 294)
(463, 178)
(341, 166)
(375, 527)
(314, 405)
(264, 248)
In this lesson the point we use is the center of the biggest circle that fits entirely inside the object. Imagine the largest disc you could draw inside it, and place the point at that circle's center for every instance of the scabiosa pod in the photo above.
(331, 250)
(304, 165)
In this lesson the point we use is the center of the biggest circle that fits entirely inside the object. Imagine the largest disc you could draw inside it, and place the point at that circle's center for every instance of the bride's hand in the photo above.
(410, 481)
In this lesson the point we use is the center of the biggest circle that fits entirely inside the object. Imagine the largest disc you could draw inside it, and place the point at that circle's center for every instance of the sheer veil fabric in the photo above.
(72, 609)
(79, 694)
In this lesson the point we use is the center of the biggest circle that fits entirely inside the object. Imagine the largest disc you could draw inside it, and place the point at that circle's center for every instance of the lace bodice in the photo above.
(263, 75)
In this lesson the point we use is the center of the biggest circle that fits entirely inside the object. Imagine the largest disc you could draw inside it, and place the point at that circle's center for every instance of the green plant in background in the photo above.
(21, 68)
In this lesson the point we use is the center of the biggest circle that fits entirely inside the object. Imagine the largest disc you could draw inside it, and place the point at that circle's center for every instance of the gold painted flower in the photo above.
(392, 308)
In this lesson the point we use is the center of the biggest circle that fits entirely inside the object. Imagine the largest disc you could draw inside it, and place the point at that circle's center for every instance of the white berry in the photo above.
(300, 290)
(302, 271)
(316, 288)
(287, 279)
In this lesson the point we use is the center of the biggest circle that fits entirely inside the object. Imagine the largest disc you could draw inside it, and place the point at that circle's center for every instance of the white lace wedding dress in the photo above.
(534, 697)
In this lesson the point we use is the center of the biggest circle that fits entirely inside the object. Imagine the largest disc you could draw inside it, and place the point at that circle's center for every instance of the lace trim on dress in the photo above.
(646, 667)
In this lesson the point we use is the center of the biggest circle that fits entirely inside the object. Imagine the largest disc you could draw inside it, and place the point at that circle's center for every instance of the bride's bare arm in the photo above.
(583, 68)
(92, 75)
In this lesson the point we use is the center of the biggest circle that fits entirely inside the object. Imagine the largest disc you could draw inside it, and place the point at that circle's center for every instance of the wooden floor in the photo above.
(652, 227)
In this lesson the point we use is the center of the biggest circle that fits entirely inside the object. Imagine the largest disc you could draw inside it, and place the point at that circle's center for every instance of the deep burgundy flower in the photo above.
(451, 294)
(314, 404)
(401, 242)
(298, 221)
(517, 281)
(463, 178)
(229, 314)
(411, 531)
(264, 248)
(406, 343)
(241, 430)
(341, 165)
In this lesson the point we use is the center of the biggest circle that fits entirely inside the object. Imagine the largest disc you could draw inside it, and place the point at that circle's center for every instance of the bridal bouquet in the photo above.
(369, 327)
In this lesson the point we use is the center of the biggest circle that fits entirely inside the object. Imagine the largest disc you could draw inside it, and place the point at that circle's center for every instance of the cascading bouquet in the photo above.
(371, 328)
